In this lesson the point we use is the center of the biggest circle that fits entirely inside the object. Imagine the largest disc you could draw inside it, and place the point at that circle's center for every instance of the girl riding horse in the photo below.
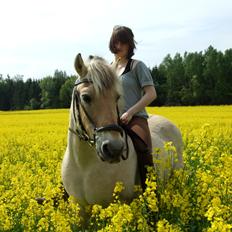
(138, 92)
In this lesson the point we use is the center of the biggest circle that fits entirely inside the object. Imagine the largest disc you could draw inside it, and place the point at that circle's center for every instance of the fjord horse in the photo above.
(99, 153)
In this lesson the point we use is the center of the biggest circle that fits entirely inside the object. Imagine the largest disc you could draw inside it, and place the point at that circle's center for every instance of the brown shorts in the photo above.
(139, 125)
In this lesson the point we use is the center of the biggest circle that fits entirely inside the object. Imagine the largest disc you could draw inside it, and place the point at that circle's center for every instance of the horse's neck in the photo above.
(80, 151)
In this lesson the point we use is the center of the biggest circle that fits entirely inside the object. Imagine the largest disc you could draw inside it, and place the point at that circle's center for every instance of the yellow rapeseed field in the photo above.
(197, 198)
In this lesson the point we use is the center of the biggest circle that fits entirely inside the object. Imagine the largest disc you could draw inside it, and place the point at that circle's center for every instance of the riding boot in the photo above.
(144, 161)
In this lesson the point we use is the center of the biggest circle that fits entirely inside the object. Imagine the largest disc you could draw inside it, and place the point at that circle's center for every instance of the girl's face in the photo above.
(122, 49)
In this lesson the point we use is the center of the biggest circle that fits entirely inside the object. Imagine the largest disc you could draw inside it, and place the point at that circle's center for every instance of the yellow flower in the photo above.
(200, 193)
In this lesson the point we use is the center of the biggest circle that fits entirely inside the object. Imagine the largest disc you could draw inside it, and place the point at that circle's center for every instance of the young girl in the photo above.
(138, 92)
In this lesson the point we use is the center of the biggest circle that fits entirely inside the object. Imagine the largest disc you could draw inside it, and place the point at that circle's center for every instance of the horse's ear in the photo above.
(80, 66)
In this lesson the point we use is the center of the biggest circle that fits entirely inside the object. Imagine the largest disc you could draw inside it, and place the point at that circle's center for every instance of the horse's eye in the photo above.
(118, 97)
(86, 98)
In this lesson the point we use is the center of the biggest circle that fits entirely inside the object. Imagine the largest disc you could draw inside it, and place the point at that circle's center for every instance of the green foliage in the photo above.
(194, 79)
(66, 92)
(50, 87)
(49, 92)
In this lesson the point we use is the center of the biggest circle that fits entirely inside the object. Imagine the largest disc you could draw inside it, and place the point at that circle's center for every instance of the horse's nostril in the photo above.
(112, 149)
(105, 148)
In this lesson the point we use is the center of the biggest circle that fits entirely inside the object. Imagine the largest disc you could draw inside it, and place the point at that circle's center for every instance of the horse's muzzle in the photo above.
(111, 150)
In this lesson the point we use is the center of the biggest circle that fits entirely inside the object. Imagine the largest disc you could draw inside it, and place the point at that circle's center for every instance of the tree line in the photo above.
(199, 78)
(195, 78)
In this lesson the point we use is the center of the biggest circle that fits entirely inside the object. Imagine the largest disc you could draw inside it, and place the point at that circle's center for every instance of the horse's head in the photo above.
(95, 107)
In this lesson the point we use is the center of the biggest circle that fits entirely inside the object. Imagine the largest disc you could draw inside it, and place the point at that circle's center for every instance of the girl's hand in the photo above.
(126, 117)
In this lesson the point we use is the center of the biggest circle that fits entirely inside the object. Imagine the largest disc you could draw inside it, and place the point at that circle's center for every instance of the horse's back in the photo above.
(162, 131)
(165, 129)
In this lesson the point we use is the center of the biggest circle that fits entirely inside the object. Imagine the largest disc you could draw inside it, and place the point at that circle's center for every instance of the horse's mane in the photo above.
(101, 74)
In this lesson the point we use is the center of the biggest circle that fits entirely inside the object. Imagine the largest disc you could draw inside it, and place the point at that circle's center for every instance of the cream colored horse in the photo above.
(97, 155)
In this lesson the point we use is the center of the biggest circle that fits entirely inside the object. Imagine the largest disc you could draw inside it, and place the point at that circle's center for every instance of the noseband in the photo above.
(81, 132)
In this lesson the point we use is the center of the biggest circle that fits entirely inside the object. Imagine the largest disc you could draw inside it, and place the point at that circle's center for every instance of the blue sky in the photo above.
(37, 37)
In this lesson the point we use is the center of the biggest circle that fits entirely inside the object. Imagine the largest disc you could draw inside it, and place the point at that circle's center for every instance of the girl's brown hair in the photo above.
(124, 35)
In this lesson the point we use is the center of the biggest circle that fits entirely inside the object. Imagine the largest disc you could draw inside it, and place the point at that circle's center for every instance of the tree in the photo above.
(66, 92)
(18, 93)
(223, 85)
(50, 87)
(160, 82)
(210, 74)
(193, 66)
(174, 70)
(8, 89)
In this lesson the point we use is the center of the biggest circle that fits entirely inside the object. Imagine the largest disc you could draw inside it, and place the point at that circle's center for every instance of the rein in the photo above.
(81, 132)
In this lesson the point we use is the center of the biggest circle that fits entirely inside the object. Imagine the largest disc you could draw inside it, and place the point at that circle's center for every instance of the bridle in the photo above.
(81, 131)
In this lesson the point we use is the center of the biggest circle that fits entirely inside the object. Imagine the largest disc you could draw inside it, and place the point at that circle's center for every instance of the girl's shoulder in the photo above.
(137, 64)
